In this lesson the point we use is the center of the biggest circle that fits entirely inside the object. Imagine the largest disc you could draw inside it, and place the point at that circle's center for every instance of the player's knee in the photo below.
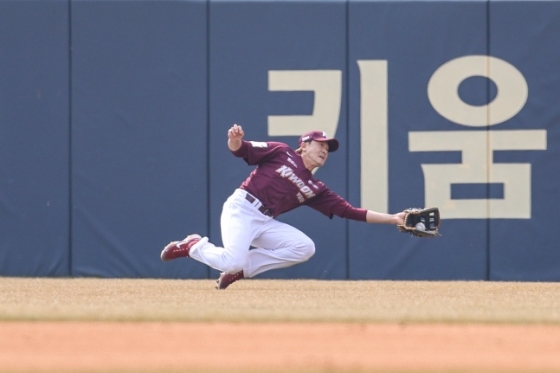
(234, 263)
(307, 249)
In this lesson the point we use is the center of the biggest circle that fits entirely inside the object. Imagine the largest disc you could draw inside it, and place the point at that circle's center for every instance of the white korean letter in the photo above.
(374, 136)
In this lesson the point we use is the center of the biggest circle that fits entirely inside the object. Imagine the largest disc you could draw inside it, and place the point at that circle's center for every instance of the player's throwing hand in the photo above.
(236, 132)
(235, 136)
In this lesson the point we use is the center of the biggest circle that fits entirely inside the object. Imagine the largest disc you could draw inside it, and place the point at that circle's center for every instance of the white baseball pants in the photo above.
(277, 244)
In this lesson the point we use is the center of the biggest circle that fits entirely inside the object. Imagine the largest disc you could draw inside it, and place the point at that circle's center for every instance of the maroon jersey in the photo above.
(281, 182)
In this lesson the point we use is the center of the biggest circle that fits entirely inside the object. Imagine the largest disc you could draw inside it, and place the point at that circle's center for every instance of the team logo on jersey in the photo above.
(287, 173)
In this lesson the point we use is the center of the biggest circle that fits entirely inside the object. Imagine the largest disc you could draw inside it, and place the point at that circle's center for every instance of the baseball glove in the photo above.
(421, 222)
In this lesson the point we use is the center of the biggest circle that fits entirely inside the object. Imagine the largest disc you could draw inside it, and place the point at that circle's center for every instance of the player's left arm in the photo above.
(382, 218)
(330, 203)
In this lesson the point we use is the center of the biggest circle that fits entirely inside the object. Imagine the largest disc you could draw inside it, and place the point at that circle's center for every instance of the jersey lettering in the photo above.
(287, 173)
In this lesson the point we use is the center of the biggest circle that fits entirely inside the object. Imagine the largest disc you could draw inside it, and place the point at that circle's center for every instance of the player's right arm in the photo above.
(235, 136)
(253, 152)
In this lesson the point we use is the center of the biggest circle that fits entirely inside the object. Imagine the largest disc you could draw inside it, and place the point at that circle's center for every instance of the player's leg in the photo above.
(238, 224)
(278, 246)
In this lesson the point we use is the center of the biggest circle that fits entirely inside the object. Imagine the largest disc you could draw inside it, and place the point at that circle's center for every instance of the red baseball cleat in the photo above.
(178, 249)
(226, 279)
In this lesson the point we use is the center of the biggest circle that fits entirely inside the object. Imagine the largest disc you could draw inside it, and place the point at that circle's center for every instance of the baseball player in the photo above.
(282, 181)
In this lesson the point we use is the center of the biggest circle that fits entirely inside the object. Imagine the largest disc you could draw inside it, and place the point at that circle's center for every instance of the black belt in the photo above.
(262, 209)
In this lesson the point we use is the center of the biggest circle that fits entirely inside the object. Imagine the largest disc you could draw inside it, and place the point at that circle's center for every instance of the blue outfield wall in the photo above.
(34, 138)
(522, 249)
(113, 120)
(139, 135)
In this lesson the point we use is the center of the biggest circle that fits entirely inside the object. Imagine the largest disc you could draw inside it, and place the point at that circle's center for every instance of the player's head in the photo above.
(319, 136)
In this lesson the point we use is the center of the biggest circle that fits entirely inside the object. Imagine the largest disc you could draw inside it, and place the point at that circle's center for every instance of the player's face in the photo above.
(315, 154)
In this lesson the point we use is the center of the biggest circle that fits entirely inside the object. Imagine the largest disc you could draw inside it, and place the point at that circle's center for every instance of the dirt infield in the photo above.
(288, 347)
(96, 325)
